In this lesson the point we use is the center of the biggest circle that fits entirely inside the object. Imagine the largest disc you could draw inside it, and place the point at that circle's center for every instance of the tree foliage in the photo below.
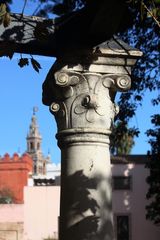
(122, 138)
(6, 196)
(63, 7)
(153, 207)
(144, 35)
(140, 30)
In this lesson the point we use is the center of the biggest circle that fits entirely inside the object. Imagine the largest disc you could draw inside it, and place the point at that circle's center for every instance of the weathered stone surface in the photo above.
(11, 231)
(35, 35)
(27, 35)
(80, 90)
(85, 100)
(112, 59)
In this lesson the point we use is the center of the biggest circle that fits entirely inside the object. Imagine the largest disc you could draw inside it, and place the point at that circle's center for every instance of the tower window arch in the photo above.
(31, 145)
(35, 169)
(38, 146)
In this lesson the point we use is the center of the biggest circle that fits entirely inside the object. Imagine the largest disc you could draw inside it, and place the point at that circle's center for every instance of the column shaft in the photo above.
(86, 201)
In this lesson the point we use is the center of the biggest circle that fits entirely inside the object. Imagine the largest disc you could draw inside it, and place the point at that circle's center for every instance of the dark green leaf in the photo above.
(23, 62)
(36, 65)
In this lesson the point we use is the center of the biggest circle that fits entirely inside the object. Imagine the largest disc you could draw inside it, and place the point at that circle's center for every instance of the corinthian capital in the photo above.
(80, 87)
(85, 100)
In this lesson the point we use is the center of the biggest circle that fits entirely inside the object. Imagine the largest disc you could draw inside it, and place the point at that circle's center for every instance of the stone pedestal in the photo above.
(80, 89)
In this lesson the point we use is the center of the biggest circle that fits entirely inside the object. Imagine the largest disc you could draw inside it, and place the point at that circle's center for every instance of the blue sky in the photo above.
(21, 90)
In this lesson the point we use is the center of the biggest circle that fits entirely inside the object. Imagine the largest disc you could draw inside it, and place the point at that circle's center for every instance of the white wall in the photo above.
(41, 211)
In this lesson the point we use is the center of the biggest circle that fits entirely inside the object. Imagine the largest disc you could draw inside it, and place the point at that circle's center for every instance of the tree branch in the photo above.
(25, 2)
(151, 14)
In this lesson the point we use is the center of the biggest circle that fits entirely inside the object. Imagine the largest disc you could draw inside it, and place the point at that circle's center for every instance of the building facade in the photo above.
(129, 199)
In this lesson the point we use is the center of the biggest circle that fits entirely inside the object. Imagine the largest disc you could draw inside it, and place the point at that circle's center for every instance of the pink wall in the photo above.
(133, 202)
(42, 206)
(41, 211)
(11, 213)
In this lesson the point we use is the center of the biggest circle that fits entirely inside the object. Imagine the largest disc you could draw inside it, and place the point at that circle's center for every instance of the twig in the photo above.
(35, 11)
(152, 15)
(25, 2)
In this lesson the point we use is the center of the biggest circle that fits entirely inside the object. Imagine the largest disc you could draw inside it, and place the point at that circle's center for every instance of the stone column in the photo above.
(80, 89)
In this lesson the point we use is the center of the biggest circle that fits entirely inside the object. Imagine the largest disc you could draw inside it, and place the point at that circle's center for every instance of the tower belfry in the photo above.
(34, 140)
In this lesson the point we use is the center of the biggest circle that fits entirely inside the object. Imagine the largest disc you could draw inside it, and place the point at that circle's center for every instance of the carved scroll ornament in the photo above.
(82, 100)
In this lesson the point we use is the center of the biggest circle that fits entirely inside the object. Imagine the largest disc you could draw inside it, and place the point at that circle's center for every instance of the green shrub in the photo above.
(6, 196)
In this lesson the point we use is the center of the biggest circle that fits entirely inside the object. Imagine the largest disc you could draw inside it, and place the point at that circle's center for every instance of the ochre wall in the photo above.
(14, 174)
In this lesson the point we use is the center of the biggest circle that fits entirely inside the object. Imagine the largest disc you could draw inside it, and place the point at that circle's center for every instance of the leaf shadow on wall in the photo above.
(86, 219)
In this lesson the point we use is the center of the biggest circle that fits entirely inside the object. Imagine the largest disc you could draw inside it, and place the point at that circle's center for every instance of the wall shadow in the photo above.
(86, 211)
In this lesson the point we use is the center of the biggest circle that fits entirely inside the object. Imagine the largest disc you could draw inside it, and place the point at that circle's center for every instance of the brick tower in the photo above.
(34, 140)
